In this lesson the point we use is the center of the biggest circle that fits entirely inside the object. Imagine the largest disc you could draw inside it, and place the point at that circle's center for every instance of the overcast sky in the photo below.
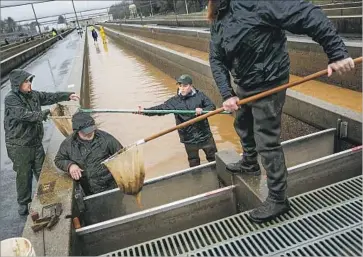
(50, 8)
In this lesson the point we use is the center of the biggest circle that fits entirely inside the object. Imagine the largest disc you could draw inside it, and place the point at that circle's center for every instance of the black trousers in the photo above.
(27, 161)
(209, 147)
(258, 125)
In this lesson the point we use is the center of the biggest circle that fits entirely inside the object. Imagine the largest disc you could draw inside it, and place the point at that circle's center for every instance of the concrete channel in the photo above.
(347, 24)
(313, 111)
(19, 48)
(316, 154)
(22, 54)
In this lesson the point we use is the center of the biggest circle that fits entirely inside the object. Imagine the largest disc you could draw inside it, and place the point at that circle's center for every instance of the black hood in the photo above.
(17, 77)
(222, 7)
(82, 120)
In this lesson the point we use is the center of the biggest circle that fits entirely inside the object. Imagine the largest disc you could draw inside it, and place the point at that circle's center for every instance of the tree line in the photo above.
(9, 25)
(156, 7)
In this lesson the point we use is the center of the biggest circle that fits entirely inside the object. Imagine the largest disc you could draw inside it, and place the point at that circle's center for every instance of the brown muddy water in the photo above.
(121, 80)
(330, 93)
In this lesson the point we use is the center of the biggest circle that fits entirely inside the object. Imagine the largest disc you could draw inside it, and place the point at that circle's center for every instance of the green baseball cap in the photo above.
(184, 79)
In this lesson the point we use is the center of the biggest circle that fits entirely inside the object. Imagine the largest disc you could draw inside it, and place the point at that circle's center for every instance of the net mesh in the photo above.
(128, 170)
(64, 125)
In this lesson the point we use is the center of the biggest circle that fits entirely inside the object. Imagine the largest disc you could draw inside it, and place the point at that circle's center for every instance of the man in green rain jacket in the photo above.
(24, 130)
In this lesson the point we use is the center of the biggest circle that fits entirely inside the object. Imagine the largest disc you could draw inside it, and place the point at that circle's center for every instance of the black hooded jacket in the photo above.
(88, 155)
(23, 114)
(198, 132)
(248, 40)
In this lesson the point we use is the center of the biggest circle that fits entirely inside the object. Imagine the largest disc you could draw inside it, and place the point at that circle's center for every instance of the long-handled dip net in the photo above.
(127, 168)
(62, 118)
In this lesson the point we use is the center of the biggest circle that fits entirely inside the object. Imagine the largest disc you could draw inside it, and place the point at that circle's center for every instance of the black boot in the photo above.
(269, 209)
(23, 209)
(247, 165)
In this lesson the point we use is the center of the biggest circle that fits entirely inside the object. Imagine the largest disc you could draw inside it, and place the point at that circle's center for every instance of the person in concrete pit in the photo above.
(24, 131)
(196, 136)
(82, 152)
(248, 41)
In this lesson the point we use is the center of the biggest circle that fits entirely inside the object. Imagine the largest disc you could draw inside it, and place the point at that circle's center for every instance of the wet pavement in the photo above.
(60, 58)
(121, 80)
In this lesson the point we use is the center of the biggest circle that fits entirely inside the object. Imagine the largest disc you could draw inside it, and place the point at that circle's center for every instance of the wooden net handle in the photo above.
(244, 101)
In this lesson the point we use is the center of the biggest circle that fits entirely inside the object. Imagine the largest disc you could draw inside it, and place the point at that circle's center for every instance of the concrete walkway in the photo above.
(60, 58)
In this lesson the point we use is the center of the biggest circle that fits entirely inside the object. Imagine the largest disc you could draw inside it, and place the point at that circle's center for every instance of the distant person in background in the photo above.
(103, 35)
(55, 34)
(94, 35)
(79, 31)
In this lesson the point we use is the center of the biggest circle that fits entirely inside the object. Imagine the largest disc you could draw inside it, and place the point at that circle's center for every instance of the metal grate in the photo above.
(345, 243)
(305, 229)
(224, 236)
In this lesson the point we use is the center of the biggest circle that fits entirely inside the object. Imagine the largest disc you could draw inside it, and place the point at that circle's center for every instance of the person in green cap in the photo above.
(198, 135)
(23, 125)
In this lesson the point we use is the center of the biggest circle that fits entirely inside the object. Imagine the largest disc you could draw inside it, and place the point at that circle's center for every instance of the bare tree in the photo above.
(11, 24)
(61, 20)
(33, 26)
(2, 26)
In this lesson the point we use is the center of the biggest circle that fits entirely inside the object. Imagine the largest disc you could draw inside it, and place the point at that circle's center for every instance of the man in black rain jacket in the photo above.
(198, 135)
(24, 130)
(248, 41)
(81, 154)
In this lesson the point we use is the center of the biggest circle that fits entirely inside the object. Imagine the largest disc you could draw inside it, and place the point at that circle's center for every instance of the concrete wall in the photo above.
(17, 60)
(314, 113)
(342, 4)
(348, 24)
(19, 48)
(344, 11)
(344, 24)
(306, 56)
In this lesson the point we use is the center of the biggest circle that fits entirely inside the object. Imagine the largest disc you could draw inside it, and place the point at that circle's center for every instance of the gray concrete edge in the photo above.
(306, 56)
(322, 114)
(56, 242)
(206, 34)
(344, 24)
(16, 60)
(302, 107)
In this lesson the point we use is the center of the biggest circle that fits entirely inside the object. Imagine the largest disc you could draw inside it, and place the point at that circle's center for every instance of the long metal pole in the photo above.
(108, 12)
(75, 13)
(151, 8)
(186, 6)
(36, 20)
(176, 15)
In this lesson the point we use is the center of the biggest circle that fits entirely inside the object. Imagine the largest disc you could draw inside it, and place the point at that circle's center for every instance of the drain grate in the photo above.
(308, 228)
(307, 209)
(346, 243)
